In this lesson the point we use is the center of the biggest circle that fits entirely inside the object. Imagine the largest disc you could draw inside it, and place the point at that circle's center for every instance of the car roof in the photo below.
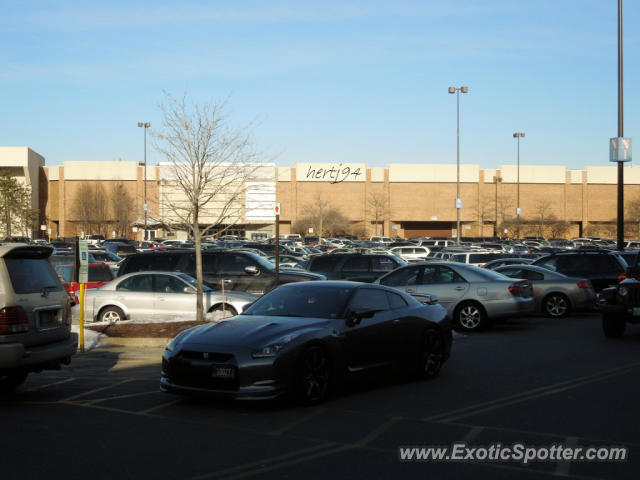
(33, 251)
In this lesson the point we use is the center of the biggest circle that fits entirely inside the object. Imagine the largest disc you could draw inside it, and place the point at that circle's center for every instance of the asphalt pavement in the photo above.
(535, 381)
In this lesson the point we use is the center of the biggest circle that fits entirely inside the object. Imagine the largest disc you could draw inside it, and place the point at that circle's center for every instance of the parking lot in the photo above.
(534, 380)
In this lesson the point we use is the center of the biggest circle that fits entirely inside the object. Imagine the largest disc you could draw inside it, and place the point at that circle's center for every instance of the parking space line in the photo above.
(248, 466)
(96, 390)
(378, 431)
(160, 407)
(562, 469)
(298, 421)
(529, 395)
(472, 435)
(40, 387)
(119, 397)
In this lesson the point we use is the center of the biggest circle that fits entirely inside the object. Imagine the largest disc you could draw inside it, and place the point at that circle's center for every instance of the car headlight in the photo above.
(623, 292)
(273, 348)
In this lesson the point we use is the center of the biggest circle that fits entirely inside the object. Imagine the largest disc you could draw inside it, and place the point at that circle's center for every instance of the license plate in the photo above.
(48, 318)
(636, 311)
(224, 372)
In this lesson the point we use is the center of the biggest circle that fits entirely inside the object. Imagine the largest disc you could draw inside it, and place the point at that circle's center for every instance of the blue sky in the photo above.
(326, 81)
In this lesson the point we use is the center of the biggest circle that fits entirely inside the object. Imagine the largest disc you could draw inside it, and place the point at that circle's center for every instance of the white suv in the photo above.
(35, 315)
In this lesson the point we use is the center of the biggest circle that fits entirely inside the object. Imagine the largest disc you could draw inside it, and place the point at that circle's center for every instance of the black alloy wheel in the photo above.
(431, 355)
(313, 377)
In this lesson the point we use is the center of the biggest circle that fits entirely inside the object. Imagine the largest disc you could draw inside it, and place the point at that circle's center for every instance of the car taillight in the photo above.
(13, 320)
(515, 289)
(584, 284)
(621, 277)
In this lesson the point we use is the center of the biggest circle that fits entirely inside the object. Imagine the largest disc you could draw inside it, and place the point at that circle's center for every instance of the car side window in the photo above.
(369, 299)
(168, 284)
(531, 275)
(235, 264)
(324, 264)
(404, 276)
(512, 272)
(382, 264)
(550, 264)
(356, 264)
(395, 300)
(138, 283)
(209, 264)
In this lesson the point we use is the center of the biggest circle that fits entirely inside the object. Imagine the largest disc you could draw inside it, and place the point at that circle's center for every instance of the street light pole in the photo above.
(620, 239)
(518, 135)
(458, 199)
(145, 206)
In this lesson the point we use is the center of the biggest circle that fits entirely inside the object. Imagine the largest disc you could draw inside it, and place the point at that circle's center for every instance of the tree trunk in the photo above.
(197, 240)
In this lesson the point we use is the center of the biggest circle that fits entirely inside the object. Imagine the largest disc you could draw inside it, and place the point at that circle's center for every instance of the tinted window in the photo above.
(404, 276)
(100, 274)
(324, 264)
(209, 264)
(396, 301)
(439, 274)
(169, 284)
(137, 283)
(302, 301)
(235, 263)
(383, 264)
(31, 275)
(356, 264)
(151, 261)
(369, 299)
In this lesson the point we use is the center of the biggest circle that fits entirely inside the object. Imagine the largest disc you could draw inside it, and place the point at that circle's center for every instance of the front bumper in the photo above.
(41, 357)
(187, 371)
(622, 312)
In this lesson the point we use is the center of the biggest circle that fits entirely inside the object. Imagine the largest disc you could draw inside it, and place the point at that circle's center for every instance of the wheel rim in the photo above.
(556, 306)
(470, 316)
(433, 353)
(111, 316)
(315, 375)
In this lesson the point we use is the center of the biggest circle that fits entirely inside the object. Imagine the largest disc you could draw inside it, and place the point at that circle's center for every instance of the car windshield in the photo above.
(193, 282)
(303, 301)
(263, 261)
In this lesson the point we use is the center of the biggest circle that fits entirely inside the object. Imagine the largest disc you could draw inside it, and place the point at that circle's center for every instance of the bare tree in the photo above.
(121, 212)
(89, 209)
(501, 208)
(559, 228)
(484, 211)
(15, 204)
(543, 215)
(377, 207)
(209, 163)
(632, 215)
(324, 218)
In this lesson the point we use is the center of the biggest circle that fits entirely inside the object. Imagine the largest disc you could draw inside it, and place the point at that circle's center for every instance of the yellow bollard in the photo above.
(82, 317)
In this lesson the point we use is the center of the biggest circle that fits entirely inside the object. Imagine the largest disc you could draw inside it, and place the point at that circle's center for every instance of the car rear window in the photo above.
(323, 264)
(31, 275)
(100, 274)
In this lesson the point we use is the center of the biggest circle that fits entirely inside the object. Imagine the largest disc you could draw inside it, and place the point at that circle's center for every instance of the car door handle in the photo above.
(395, 321)
(227, 281)
(411, 290)
(460, 288)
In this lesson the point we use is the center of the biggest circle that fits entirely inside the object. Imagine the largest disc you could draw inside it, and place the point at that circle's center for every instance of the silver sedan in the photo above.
(555, 294)
(157, 296)
(472, 296)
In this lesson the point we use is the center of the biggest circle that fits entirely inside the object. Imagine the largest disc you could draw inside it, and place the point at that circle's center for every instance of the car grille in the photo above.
(192, 369)
(213, 356)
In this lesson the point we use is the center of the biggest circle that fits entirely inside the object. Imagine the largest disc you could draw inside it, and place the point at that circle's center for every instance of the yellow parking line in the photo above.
(119, 397)
(295, 423)
(159, 407)
(84, 394)
(40, 387)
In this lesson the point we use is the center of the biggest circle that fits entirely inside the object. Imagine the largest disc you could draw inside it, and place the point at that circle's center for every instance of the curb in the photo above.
(135, 341)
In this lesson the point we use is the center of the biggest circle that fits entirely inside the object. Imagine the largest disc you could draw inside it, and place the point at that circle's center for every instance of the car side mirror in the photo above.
(252, 270)
(188, 290)
(245, 306)
(427, 299)
(354, 317)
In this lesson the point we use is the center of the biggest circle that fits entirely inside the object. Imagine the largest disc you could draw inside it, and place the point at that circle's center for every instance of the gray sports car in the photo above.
(473, 296)
(556, 295)
(305, 338)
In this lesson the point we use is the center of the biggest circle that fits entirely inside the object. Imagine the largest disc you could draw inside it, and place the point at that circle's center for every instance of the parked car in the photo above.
(556, 295)
(602, 268)
(353, 266)
(500, 262)
(35, 316)
(120, 249)
(473, 296)
(477, 258)
(103, 256)
(410, 253)
(242, 271)
(620, 304)
(157, 296)
(305, 338)
(99, 274)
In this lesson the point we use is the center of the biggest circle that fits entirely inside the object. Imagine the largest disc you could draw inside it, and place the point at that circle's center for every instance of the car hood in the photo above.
(249, 330)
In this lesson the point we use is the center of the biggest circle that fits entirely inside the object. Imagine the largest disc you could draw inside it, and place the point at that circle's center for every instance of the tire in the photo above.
(470, 317)
(111, 314)
(431, 354)
(228, 309)
(11, 381)
(613, 327)
(556, 305)
(313, 378)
